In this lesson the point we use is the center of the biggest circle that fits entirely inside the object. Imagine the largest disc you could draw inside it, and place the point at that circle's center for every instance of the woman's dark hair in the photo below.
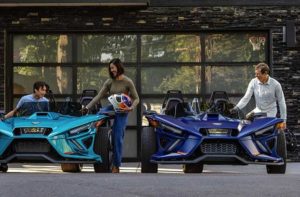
(39, 84)
(118, 63)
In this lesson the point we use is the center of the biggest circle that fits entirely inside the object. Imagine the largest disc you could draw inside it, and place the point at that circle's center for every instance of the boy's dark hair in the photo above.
(264, 68)
(118, 63)
(47, 88)
(39, 84)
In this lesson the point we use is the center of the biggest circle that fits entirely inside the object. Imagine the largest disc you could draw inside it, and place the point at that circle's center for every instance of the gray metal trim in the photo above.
(8, 159)
(195, 3)
(151, 3)
(199, 159)
(71, 3)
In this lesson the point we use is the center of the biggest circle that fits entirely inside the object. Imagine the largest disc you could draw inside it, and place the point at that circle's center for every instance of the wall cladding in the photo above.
(286, 61)
(2, 70)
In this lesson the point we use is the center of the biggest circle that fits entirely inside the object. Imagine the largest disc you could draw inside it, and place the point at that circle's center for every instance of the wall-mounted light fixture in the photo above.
(289, 34)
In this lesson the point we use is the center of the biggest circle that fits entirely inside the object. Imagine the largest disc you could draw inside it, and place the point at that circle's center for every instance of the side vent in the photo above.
(234, 132)
(41, 114)
(203, 132)
(88, 142)
(271, 143)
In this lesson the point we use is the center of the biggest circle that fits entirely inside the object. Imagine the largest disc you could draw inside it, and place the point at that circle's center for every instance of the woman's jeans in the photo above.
(118, 130)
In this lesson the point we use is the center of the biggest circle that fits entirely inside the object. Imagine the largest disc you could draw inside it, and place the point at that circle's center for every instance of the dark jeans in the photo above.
(118, 130)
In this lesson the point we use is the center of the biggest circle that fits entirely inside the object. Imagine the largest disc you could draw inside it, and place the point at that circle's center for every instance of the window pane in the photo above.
(235, 47)
(155, 104)
(103, 48)
(42, 48)
(94, 78)
(233, 79)
(59, 79)
(150, 104)
(130, 144)
(161, 79)
(248, 108)
(170, 48)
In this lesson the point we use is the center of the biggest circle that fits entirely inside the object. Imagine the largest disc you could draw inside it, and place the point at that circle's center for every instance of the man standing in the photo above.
(267, 91)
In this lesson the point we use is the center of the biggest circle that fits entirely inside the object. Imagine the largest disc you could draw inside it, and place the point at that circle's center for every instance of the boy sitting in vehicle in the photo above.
(31, 103)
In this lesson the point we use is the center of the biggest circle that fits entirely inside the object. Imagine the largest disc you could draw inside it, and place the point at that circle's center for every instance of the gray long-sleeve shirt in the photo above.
(266, 96)
(112, 86)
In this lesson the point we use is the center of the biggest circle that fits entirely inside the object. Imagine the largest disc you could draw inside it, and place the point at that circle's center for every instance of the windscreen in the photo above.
(65, 108)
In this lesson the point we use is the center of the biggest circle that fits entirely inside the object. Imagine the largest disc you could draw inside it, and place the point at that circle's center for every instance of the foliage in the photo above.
(161, 49)
(102, 48)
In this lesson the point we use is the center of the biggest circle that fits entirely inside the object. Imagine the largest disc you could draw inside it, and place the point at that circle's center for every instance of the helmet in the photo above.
(120, 101)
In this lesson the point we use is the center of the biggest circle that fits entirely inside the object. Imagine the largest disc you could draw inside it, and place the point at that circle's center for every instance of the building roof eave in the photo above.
(73, 3)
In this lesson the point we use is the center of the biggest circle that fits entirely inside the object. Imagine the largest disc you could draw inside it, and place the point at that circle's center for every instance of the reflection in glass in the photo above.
(103, 48)
(94, 77)
(170, 48)
(233, 79)
(235, 47)
(130, 144)
(161, 79)
(42, 48)
(150, 104)
(59, 79)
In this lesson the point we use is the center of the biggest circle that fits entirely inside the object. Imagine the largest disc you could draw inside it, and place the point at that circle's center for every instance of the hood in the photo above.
(195, 123)
(52, 120)
(259, 124)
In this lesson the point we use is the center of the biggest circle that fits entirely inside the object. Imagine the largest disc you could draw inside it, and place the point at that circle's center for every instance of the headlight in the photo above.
(172, 129)
(81, 129)
(265, 131)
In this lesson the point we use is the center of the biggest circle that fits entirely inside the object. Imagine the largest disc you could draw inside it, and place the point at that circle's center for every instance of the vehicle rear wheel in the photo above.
(71, 167)
(193, 168)
(148, 148)
(282, 152)
(103, 147)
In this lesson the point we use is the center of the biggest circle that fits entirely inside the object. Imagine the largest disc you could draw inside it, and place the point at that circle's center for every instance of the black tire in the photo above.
(3, 167)
(71, 167)
(148, 148)
(282, 152)
(193, 168)
(103, 147)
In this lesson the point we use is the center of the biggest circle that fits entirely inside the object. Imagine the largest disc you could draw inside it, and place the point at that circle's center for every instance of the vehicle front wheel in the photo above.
(193, 168)
(3, 167)
(71, 167)
(103, 147)
(282, 152)
(148, 148)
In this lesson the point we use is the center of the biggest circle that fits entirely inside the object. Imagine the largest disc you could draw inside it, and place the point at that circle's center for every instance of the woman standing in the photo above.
(117, 83)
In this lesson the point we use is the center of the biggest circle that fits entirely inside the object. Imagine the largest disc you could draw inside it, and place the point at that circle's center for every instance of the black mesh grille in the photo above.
(31, 146)
(218, 148)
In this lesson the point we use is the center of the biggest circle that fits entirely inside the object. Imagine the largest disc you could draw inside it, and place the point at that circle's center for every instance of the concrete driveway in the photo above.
(48, 180)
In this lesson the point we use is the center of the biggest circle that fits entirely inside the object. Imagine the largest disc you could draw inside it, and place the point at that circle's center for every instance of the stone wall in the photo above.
(2, 70)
